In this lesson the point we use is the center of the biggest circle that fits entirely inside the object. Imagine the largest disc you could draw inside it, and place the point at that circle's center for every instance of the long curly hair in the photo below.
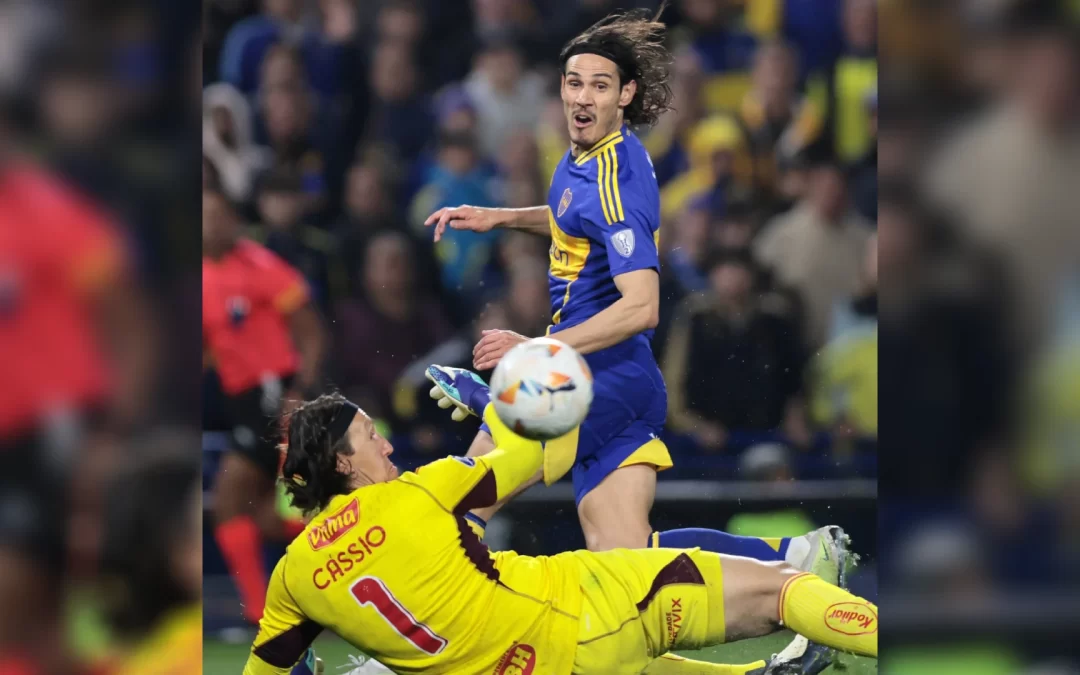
(636, 41)
(311, 475)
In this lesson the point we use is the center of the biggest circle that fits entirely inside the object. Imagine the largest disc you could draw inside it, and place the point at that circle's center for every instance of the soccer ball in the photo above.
(542, 389)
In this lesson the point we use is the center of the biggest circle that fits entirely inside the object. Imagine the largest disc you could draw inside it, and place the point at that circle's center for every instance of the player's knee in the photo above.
(766, 588)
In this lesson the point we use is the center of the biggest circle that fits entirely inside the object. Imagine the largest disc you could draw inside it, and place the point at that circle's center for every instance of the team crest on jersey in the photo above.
(623, 241)
(335, 526)
(564, 203)
(467, 461)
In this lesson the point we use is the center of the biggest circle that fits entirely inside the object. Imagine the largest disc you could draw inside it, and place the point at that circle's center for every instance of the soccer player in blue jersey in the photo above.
(603, 218)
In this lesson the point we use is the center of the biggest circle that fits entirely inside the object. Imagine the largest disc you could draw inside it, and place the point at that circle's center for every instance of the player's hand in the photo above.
(472, 218)
(493, 346)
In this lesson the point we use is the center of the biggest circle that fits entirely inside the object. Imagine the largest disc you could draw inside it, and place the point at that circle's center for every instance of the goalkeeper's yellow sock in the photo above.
(670, 664)
(829, 615)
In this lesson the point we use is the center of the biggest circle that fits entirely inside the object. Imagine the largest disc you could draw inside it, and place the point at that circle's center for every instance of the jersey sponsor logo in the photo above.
(467, 461)
(851, 618)
(518, 660)
(335, 526)
(623, 240)
(564, 202)
(674, 619)
(344, 562)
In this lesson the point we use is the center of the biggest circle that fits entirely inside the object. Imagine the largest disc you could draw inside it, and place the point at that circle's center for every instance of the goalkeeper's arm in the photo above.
(284, 632)
(514, 461)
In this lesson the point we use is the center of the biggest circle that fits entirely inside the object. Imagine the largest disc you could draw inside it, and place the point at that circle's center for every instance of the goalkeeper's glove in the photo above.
(460, 389)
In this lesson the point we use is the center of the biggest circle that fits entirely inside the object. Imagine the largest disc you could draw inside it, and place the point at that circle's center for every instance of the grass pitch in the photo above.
(220, 658)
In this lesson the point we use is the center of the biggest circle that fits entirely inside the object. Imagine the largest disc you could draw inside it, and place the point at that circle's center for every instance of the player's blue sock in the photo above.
(759, 548)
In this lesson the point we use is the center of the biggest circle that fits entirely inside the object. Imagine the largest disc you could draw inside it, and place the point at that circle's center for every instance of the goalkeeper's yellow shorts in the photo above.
(639, 604)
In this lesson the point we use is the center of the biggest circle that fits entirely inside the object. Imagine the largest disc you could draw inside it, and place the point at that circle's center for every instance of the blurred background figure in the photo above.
(977, 259)
(767, 170)
(97, 131)
(152, 556)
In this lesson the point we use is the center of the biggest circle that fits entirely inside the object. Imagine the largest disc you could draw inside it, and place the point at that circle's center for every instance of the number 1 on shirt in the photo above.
(369, 590)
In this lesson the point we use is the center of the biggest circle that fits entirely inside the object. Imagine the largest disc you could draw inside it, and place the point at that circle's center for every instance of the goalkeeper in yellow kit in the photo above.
(390, 565)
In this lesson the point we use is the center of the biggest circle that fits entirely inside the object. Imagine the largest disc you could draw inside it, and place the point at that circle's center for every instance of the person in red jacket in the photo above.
(77, 357)
(266, 340)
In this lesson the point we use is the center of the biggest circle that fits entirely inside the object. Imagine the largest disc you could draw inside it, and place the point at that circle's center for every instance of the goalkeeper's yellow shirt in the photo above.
(394, 570)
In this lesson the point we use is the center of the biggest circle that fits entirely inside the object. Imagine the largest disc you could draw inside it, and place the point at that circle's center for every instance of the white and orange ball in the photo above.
(542, 389)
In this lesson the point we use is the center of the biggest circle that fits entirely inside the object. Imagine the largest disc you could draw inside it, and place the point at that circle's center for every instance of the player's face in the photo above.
(370, 461)
(593, 98)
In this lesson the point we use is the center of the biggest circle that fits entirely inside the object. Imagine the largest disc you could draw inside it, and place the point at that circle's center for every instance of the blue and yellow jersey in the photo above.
(605, 221)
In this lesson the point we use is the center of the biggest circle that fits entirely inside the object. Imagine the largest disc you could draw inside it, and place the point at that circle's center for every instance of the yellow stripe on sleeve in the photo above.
(618, 211)
(601, 170)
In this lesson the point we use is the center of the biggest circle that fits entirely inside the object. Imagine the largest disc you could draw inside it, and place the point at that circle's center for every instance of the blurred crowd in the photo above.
(98, 440)
(334, 128)
(979, 162)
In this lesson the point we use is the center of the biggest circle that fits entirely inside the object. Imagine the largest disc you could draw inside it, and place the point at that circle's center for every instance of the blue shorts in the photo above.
(624, 423)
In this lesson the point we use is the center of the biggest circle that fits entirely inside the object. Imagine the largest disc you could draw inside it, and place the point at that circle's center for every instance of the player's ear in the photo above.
(627, 93)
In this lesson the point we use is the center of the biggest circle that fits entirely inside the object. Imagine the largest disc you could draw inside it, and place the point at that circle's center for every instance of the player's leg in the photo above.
(615, 514)
(747, 598)
(239, 486)
(245, 498)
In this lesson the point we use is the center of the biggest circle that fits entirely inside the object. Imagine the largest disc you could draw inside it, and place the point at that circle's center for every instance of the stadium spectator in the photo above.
(507, 97)
(291, 116)
(368, 206)
(1015, 164)
(844, 384)
(730, 334)
(281, 21)
(529, 303)
(719, 35)
(735, 230)
(519, 171)
(229, 141)
(817, 248)
(864, 171)
(716, 148)
(459, 177)
(778, 122)
(401, 115)
(689, 247)
(841, 91)
(668, 141)
(284, 210)
(392, 321)
(499, 19)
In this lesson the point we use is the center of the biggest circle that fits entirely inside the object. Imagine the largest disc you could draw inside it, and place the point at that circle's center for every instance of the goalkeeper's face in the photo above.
(370, 460)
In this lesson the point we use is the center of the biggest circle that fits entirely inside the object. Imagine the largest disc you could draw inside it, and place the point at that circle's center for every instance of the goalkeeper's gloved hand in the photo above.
(460, 389)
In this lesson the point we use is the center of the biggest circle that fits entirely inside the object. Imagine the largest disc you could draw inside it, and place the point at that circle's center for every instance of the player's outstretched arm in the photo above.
(481, 219)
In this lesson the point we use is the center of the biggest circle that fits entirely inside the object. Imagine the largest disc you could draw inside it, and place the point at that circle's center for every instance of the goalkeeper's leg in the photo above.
(747, 598)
